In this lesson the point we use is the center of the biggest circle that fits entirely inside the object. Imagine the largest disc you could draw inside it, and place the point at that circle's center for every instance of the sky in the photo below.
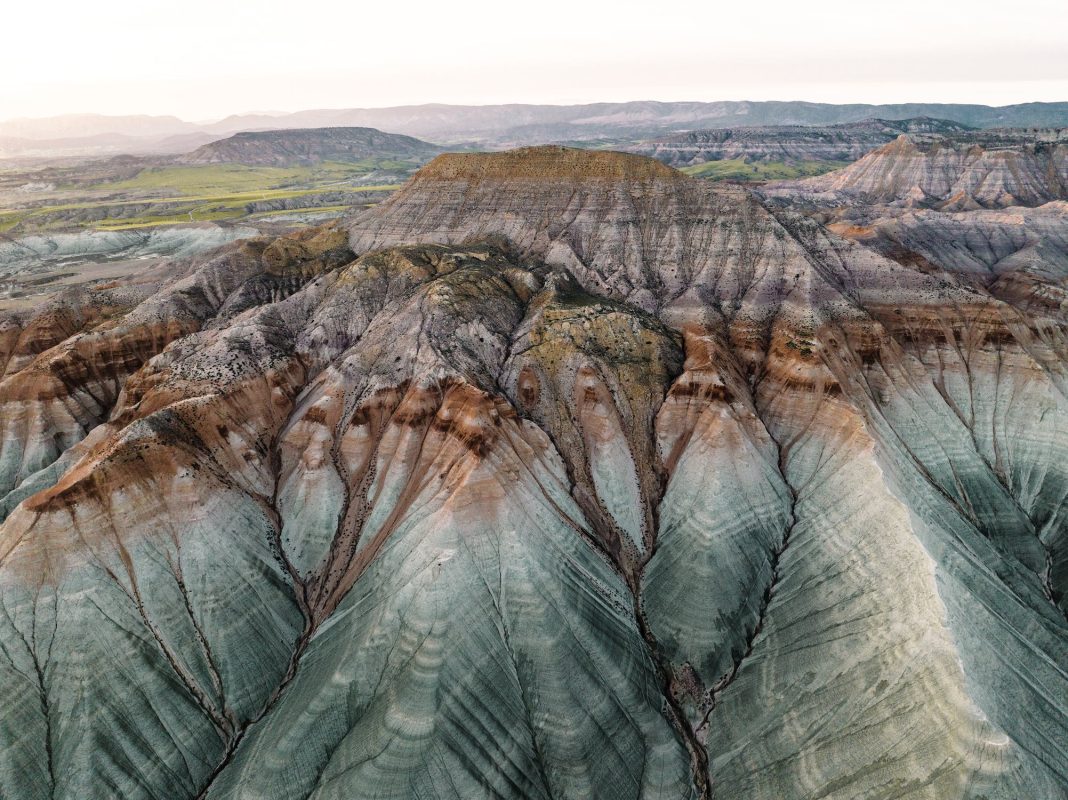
(205, 59)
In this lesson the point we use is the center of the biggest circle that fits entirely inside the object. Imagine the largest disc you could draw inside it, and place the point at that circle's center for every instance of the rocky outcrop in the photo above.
(28, 252)
(1018, 254)
(945, 173)
(575, 478)
(627, 227)
(67, 365)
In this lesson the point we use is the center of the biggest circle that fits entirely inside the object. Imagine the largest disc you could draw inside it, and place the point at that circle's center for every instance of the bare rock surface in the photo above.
(992, 170)
(790, 144)
(556, 475)
(29, 251)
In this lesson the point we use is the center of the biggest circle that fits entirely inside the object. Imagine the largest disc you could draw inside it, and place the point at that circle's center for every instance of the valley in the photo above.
(219, 192)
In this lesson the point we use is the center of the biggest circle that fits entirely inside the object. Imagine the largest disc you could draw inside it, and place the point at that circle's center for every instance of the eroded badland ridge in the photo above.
(557, 474)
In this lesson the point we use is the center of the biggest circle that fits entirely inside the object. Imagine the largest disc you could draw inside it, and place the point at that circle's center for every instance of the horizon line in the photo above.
(280, 114)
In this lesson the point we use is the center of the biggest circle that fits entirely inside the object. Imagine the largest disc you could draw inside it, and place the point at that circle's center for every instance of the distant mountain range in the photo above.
(491, 125)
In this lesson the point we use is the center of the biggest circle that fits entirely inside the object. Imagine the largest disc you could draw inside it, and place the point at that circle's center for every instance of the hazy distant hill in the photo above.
(310, 146)
(504, 125)
(81, 125)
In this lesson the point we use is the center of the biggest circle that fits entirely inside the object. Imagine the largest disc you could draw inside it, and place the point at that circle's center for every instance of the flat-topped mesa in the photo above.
(547, 163)
(625, 226)
(684, 249)
(310, 146)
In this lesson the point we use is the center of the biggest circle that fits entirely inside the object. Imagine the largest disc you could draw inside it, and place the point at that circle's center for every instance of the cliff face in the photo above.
(946, 174)
(626, 227)
(787, 143)
(574, 478)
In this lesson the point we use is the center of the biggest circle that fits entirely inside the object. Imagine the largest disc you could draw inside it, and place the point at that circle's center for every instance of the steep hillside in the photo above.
(310, 146)
(994, 169)
(525, 124)
(558, 474)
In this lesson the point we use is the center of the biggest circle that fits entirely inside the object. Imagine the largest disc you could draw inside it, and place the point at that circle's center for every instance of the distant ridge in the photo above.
(309, 146)
(520, 124)
(528, 124)
(846, 141)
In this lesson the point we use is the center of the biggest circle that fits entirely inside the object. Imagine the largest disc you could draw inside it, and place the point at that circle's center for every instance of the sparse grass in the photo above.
(208, 179)
(203, 207)
(228, 197)
(177, 194)
(127, 223)
(738, 170)
(571, 298)
(311, 210)
(215, 179)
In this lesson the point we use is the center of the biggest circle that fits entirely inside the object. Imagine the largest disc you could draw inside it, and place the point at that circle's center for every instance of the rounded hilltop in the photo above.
(547, 162)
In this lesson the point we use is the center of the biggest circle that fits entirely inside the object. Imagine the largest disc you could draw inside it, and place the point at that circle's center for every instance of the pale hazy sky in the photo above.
(203, 59)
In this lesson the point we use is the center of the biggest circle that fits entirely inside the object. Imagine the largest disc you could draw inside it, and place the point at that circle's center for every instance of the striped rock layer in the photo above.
(962, 172)
(557, 475)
